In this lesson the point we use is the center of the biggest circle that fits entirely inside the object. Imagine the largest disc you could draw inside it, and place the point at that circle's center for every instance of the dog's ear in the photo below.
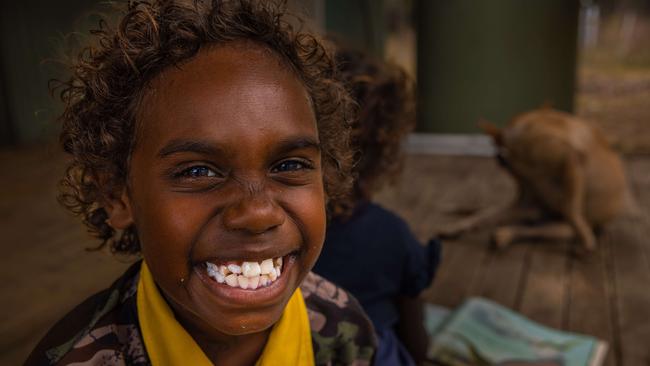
(548, 104)
(491, 130)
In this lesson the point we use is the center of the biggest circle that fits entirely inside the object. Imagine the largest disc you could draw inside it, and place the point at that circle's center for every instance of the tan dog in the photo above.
(563, 166)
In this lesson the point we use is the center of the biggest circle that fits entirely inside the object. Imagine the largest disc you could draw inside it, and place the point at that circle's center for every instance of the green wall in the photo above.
(476, 58)
(31, 44)
(493, 59)
(359, 22)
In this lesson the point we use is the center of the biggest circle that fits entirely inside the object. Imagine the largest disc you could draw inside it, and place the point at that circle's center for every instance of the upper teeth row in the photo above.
(248, 275)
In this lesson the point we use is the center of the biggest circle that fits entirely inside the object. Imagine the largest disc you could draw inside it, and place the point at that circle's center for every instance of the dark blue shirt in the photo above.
(375, 256)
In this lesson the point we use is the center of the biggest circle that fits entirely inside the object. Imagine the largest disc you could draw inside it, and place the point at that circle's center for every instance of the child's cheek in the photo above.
(311, 212)
(168, 226)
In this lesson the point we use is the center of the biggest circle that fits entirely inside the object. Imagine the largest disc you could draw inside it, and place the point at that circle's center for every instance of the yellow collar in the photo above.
(168, 343)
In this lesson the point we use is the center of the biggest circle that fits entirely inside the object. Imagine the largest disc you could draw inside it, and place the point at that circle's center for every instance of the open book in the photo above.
(481, 332)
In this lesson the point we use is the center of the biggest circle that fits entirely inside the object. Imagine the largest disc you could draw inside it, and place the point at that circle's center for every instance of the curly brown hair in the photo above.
(385, 115)
(109, 78)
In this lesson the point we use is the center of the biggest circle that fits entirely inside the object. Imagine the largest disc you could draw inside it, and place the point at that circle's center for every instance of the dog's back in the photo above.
(547, 149)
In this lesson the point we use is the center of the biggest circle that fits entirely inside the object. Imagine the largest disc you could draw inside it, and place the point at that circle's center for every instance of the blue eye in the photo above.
(197, 172)
(290, 166)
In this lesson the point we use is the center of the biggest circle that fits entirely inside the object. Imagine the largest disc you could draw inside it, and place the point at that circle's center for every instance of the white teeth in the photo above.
(250, 275)
(224, 270)
(231, 280)
(254, 282)
(264, 280)
(266, 266)
(219, 277)
(234, 268)
(243, 281)
(273, 275)
(214, 272)
(250, 269)
(212, 268)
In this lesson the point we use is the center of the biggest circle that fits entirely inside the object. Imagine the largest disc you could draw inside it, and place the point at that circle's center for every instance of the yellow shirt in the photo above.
(168, 343)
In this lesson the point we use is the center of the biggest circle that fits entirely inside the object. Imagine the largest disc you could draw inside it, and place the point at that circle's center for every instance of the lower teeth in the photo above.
(231, 274)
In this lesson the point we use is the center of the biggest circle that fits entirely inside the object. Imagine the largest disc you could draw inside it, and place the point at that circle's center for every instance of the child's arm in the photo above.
(410, 328)
(422, 264)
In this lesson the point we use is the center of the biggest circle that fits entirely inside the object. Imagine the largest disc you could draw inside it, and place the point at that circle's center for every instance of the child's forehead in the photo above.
(220, 86)
(227, 59)
(235, 63)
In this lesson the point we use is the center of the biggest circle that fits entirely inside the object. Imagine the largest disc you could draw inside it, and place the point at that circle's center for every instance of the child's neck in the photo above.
(223, 349)
(243, 350)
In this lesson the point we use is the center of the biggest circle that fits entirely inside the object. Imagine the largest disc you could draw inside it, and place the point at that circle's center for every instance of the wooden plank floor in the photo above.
(46, 269)
(606, 294)
(44, 266)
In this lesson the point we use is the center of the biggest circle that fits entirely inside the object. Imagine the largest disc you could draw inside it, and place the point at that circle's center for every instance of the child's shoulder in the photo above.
(104, 326)
(373, 220)
(384, 213)
(341, 332)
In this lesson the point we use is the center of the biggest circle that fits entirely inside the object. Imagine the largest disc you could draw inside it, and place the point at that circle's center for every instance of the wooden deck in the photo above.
(46, 270)
(606, 294)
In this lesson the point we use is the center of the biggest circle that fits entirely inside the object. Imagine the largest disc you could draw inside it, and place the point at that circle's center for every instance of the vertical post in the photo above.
(359, 22)
(493, 59)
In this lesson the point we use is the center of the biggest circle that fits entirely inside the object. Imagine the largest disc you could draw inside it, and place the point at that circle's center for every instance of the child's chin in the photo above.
(249, 325)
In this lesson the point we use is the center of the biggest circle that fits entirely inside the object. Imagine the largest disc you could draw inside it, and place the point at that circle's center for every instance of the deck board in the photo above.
(503, 276)
(544, 298)
(632, 289)
(590, 298)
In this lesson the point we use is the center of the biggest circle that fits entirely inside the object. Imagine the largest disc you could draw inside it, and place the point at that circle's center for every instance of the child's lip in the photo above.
(235, 296)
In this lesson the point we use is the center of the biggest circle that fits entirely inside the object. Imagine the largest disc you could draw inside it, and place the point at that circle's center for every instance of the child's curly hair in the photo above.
(385, 115)
(108, 80)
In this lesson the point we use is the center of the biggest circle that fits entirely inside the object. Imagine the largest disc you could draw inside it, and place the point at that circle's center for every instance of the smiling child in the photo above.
(207, 137)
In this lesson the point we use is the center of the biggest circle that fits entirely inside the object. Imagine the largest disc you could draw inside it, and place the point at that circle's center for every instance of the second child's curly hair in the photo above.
(384, 94)
(109, 78)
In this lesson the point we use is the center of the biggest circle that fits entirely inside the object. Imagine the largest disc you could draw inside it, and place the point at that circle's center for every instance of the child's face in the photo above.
(227, 169)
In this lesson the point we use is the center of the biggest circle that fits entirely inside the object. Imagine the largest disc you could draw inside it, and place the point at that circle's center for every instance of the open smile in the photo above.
(247, 281)
(246, 275)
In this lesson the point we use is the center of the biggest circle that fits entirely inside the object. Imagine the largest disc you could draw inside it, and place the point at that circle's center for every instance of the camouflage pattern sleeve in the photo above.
(341, 332)
(103, 330)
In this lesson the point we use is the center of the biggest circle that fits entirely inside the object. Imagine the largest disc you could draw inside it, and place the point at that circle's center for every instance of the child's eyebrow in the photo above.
(204, 147)
(297, 143)
(197, 146)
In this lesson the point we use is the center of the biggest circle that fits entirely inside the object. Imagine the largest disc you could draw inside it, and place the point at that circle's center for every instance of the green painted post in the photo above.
(359, 22)
(32, 34)
(493, 59)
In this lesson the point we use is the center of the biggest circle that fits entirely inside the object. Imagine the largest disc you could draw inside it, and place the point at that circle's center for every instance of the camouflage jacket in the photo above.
(104, 329)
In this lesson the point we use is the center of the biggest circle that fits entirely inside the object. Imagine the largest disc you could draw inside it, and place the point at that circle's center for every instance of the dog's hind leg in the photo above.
(506, 235)
(575, 202)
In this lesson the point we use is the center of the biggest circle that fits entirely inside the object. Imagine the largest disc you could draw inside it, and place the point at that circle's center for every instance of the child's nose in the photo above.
(255, 213)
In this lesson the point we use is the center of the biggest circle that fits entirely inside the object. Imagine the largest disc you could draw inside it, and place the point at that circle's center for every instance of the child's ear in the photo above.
(118, 208)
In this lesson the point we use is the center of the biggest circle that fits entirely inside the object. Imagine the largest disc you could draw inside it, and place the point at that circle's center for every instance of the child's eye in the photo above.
(291, 166)
(197, 172)
(197, 178)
